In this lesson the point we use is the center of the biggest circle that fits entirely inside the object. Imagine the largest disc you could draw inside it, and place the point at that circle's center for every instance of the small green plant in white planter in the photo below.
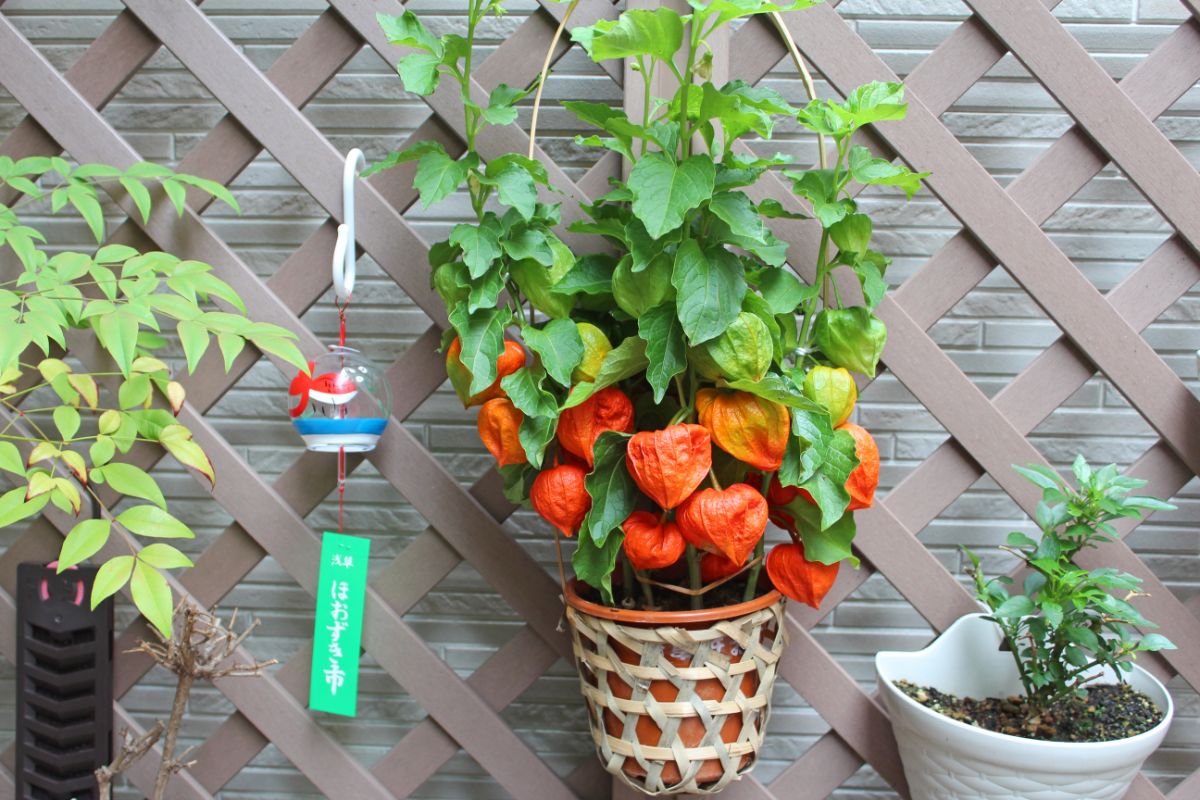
(1039, 697)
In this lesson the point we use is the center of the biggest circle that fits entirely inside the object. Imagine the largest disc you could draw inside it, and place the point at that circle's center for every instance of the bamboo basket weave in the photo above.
(678, 708)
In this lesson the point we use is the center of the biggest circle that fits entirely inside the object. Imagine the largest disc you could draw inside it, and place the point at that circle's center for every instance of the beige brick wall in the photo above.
(1006, 121)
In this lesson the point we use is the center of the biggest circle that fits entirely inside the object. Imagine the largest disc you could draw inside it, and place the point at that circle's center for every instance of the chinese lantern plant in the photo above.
(661, 400)
(65, 428)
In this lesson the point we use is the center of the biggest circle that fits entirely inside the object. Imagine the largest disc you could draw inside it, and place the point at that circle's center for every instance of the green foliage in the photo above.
(686, 277)
(125, 299)
(1066, 623)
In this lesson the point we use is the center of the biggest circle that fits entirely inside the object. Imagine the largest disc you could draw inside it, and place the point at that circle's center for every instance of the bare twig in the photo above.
(201, 649)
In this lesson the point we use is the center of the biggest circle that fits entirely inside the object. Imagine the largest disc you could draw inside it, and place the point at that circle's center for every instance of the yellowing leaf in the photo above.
(86, 386)
(175, 396)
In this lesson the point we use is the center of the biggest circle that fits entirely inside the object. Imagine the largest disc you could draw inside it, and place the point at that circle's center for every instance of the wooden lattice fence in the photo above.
(1000, 225)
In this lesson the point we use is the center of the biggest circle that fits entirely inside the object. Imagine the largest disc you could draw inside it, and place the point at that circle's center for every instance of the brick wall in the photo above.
(1006, 120)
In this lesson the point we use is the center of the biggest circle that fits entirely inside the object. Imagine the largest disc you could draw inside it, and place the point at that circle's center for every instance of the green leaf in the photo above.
(480, 243)
(176, 194)
(828, 546)
(666, 349)
(112, 575)
(438, 175)
(828, 484)
(420, 73)
(118, 333)
(515, 185)
(140, 196)
(1015, 607)
(153, 522)
(783, 291)
(482, 336)
(657, 33)
(524, 389)
(1154, 642)
(231, 346)
(83, 197)
(613, 493)
(83, 542)
(398, 157)
(66, 419)
(663, 191)
(709, 285)
(775, 387)
(10, 459)
(152, 596)
(715, 13)
(135, 482)
(865, 168)
(1053, 612)
(134, 392)
(194, 338)
(163, 556)
(594, 564)
(535, 435)
(283, 348)
(623, 361)
(500, 109)
(739, 213)
(873, 102)
(1039, 476)
(636, 292)
(853, 233)
(592, 274)
(213, 188)
(408, 30)
(807, 448)
(559, 347)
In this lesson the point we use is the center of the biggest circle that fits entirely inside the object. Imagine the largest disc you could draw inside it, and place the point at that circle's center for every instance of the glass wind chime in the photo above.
(341, 405)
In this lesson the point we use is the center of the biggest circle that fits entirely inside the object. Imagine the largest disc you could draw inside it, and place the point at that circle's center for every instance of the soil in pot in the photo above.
(1109, 712)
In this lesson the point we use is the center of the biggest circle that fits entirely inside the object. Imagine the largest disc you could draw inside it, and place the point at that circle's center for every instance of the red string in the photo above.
(341, 489)
(341, 307)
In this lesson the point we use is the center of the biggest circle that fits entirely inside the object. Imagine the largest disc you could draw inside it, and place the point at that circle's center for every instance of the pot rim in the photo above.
(1047, 746)
(668, 618)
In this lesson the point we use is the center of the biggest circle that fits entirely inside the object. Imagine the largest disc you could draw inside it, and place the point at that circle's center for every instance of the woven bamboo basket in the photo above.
(678, 701)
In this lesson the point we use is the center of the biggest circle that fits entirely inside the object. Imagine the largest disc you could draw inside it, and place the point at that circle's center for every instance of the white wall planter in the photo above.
(945, 759)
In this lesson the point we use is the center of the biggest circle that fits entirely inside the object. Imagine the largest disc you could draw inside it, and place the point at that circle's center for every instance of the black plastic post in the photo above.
(64, 684)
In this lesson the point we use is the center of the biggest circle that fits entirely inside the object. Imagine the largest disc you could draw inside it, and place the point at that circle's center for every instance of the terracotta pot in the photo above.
(647, 674)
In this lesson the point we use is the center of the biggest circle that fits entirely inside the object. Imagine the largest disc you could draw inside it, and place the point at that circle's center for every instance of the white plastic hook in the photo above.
(344, 250)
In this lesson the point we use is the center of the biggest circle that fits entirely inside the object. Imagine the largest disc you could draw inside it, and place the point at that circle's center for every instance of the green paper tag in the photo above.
(337, 633)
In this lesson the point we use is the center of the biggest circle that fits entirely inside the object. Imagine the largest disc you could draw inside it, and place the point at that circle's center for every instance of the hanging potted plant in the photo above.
(1039, 697)
(661, 400)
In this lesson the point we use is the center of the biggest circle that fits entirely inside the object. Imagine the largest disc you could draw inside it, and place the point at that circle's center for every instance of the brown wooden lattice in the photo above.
(1113, 123)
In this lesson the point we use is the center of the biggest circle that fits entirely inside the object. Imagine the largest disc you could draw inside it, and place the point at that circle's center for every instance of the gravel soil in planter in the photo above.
(678, 700)
(947, 759)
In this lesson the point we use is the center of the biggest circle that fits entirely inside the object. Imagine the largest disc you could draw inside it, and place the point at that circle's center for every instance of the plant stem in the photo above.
(647, 592)
(810, 305)
(693, 562)
(630, 580)
(178, 707)
(752, 578)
